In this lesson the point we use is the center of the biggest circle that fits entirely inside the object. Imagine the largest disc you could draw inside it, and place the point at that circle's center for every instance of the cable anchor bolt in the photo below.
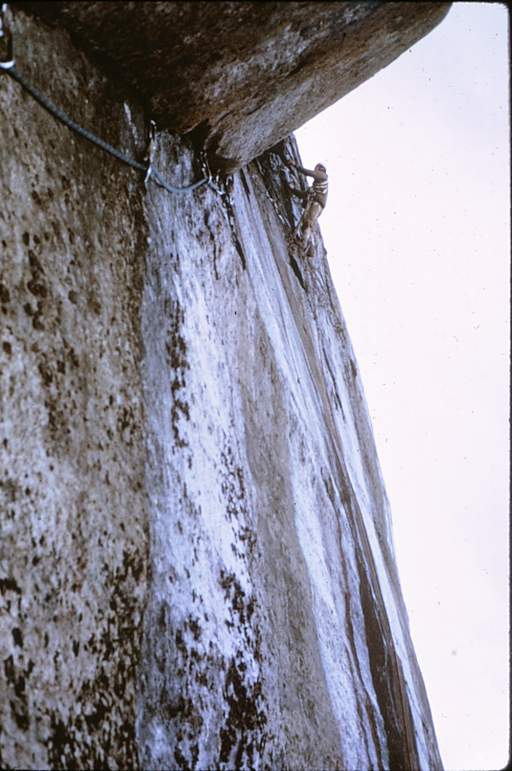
(6, 46)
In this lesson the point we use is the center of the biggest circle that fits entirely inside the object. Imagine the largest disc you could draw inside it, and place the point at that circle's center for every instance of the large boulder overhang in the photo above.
(241, 76)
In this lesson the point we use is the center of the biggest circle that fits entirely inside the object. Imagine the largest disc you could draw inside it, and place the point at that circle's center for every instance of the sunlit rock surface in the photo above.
(196, 565)
(242, 75)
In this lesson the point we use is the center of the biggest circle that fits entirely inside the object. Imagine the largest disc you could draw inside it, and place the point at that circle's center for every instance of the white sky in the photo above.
(417, 232)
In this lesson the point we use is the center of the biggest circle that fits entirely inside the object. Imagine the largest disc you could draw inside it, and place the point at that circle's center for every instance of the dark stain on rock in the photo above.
(64, 746)
(46, 373)
(180, 642)
(16, 680)
(176, 349)
(127, 424)
(195, 629)
(109, 716)
(34, 263)
(37, 323)
(94, 304)
(20, 714)
(236, 598)
(4, 294)
(37, 289)
(9, 585)
(232, 485)
(71, 354)
(242, 736)
(9, 669)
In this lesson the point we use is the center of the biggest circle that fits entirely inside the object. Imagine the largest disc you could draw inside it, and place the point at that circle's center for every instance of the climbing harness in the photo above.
(7, 63)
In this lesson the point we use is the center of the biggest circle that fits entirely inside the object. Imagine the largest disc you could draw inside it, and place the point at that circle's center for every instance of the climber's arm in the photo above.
(293, 165)
(308, 172)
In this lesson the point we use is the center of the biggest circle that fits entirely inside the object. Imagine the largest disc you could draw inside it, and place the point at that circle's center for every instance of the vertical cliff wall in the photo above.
(196, 565)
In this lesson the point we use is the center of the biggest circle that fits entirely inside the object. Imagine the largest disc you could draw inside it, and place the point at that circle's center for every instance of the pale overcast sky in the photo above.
(417, 232)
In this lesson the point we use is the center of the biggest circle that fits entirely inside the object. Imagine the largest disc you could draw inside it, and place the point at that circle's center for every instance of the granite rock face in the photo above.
(196, 566)
(242, 75)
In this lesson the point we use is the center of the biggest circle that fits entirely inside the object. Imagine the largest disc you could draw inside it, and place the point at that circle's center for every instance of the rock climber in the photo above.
(316, 198)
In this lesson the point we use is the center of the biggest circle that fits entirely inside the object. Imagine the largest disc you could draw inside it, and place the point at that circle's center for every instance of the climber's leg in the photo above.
(309, 218)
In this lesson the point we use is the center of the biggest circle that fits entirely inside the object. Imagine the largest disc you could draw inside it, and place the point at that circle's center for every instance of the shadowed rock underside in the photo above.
(241, 75)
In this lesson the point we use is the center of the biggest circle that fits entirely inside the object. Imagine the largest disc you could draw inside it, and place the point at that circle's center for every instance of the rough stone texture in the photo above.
(74, 514)
(196, 565)
(242, 75)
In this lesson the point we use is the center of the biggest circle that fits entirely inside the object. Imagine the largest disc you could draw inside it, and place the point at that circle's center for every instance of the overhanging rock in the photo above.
(242, 76)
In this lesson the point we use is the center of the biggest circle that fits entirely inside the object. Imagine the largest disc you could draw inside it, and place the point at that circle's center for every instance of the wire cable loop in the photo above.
(150, 173)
